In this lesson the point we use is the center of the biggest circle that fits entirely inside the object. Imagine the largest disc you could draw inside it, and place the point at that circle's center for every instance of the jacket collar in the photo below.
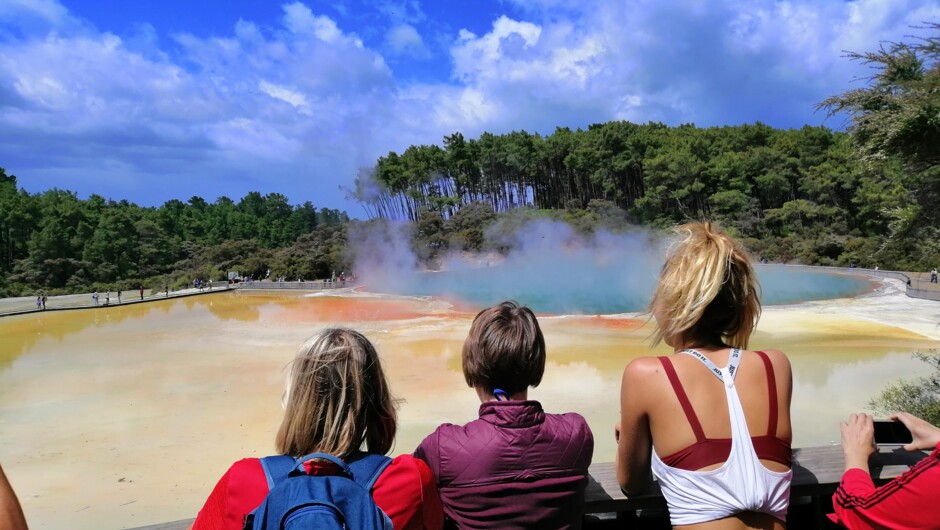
(512, 414)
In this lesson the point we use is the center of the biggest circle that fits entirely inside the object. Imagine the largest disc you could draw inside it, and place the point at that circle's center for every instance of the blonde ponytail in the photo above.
(707, 291)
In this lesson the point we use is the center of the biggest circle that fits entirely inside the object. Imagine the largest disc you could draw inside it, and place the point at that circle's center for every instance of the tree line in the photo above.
(792, 195)
(799, 194)
(55, 241)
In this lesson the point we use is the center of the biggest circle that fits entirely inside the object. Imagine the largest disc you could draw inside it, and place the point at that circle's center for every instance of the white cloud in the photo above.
(295, 98)
(404, 39)
(709, 63)
(522, 75)
(298, 108)
(30, 12)
(299, 19)
(242, 107)
(509, 42)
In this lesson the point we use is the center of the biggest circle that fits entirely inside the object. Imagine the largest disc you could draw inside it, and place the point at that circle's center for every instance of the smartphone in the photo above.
(890, 432)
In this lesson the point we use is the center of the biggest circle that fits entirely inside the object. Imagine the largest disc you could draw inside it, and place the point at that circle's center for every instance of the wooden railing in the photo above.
(817, 472)
(313, 285)
(816, 475)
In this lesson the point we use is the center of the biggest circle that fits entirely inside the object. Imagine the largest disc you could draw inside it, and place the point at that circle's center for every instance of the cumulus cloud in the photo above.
(298, 106)
(404, 39)
(288, 111)
(36, 15)
(709, 63)
(300, 20)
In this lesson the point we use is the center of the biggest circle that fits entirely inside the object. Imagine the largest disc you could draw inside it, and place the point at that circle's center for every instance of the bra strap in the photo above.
(683, 399)
(772, 393)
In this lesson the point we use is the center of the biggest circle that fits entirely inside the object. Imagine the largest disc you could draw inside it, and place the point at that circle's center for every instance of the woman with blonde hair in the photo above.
(337, 400)
(717, 439)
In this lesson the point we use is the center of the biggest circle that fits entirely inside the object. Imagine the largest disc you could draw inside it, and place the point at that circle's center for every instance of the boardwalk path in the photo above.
(27, 304)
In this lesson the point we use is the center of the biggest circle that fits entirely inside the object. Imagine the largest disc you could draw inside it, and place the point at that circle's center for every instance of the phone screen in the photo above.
(889, 432)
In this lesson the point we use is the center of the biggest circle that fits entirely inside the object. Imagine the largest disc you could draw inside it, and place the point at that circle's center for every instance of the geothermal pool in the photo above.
(126, 416)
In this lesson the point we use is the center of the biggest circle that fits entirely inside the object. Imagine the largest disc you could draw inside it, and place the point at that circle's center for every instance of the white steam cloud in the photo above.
(555, 270)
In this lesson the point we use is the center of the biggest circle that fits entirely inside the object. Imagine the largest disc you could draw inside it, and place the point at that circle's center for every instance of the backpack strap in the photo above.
(338, 462)
(277, 468)
(366, 468)
(363, 468)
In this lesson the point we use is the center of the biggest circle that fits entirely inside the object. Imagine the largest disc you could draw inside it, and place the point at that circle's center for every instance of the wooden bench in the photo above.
(816, 473)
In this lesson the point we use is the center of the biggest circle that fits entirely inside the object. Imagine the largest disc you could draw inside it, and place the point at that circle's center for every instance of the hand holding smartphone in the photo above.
(892, 432)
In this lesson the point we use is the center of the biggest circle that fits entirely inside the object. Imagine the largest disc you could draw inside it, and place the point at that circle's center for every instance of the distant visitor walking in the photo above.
(933, 275)
(94, 297)
(141, 292)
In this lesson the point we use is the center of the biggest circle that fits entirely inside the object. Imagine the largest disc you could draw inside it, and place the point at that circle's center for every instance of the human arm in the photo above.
(240, 490)
(11, 514)
(858, 444)
(634, 441)
(925, 436)
(908, 501)
(429, 452)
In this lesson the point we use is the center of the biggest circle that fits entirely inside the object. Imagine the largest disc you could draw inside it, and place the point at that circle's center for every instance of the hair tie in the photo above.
(500, 392)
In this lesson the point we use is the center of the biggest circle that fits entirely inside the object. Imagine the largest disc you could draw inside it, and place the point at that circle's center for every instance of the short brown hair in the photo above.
(505, 349)
(337, 398)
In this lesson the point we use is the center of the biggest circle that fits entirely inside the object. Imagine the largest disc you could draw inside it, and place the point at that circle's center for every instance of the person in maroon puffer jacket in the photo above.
(516, 466)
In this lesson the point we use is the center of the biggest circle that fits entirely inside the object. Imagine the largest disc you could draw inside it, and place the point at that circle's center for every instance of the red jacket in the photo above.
(405, 491)
(908, 502)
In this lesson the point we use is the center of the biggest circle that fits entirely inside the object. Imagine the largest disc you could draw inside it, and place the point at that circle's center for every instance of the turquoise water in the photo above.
(556, 270)
(573, 285)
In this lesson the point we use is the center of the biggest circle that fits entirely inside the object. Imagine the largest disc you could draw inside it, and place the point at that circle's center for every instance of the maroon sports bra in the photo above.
(709, 451)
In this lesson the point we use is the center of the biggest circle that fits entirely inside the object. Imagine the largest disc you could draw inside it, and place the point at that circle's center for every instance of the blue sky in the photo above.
(151, 101)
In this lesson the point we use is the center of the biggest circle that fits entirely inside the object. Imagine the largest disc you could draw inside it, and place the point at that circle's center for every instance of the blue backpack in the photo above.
(297, 500)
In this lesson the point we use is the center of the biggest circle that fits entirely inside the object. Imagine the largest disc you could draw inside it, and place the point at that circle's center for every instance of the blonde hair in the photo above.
(707, 290)
(337, 398)
(505, 349)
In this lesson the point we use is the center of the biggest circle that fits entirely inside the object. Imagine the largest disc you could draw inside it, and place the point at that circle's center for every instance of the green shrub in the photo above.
(919, 396)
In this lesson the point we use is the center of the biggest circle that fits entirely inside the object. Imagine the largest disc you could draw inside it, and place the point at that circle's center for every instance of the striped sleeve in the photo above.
(909, 501)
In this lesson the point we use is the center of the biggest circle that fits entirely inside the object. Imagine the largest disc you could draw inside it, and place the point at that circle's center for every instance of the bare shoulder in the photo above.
(778, 359)
(640, 379)
(641, 369)
(781, 366)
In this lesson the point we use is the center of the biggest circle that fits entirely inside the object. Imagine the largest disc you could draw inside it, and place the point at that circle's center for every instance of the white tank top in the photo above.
(741, 484)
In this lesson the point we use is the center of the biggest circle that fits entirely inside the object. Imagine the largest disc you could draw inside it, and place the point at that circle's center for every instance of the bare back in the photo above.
(668, 425)
(672, 432)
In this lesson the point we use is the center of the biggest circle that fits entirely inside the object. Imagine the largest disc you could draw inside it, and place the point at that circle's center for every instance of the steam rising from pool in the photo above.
(555, 270)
